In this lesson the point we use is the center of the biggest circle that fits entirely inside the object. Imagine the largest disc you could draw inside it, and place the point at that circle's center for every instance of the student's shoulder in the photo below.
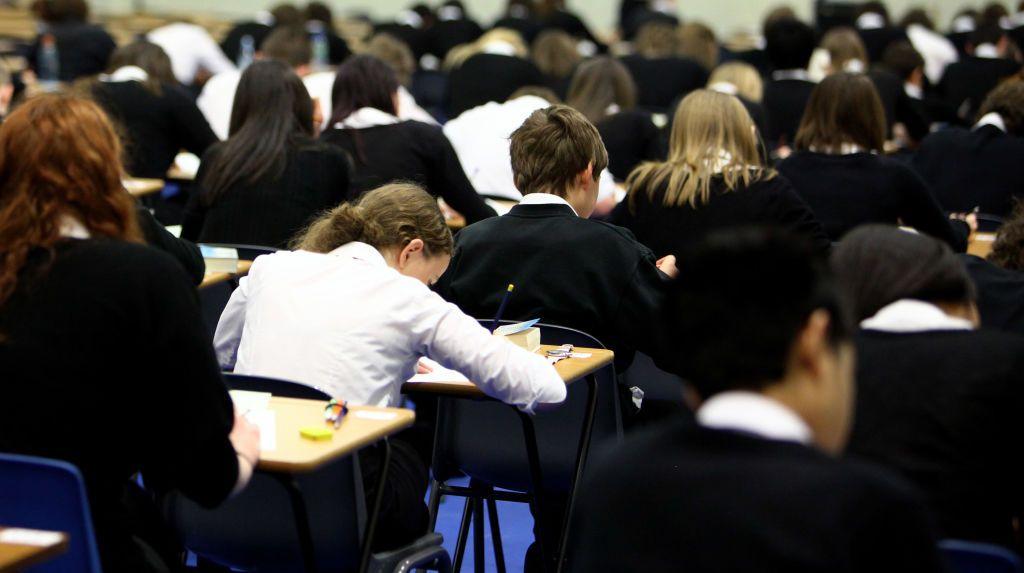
(421, 129)
(122, 263)
(869, 485)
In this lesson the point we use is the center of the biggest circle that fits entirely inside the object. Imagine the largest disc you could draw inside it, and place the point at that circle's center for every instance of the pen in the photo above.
(501, 307)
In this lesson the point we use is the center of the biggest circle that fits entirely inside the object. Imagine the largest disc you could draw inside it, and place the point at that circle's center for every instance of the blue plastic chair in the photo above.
(974, 557)
(40, 493)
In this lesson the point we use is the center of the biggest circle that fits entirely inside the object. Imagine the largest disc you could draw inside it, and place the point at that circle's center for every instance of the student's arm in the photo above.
(186, 252)
(501, 369)
(921, 211)
(792, 212)
(193, 131)
(195, 210)
(230, 326)
(638, 317)
(449, 179)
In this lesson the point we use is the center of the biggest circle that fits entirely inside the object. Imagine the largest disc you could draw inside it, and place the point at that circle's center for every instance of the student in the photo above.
(350, 312)
(453, 28)
(193, 53)
(661, 75)
(714, 178)
(789, 45)
(553, 14)
(85, 308)
(1000, 278)
(259, 29)
(906, 63)
(320, 21)
(966, 82)
(603, 91)
(519, 16)
(743, 81)
(383, 148)
(837, 167)
(490, 69)
(556, 56)
(753, 485)
(697, 42)
(82, 48)
(979, 168)
(396, 54)
(158, 117)
(876, 31)
(934, 48)
(937, 400)
(567, 270)
(271, 177)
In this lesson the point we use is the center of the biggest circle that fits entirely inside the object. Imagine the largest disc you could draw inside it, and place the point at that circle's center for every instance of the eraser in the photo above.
(316, 433)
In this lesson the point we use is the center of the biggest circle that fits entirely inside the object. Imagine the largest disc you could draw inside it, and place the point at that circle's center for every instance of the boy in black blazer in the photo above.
(752, 486)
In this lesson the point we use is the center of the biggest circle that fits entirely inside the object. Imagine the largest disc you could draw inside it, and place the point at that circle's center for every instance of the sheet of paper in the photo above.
(34, 537)
(438, 373)
(514, 328)
(245, 400)
(174, 230)
(374, 415)
(266, 421)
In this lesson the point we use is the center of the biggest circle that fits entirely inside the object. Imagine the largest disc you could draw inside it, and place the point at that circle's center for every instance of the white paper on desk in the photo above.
(509, 329)
(34, 537)
(266, 421)
(438, 373)
(245, 400)
(374, 415)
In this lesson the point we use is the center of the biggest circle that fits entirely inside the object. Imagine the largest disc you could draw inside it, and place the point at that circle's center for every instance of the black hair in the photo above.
(363, 81)
(902, 59)
(739, 304)
(878, 265)
(987, 33)
(789, 44)
(271, 113)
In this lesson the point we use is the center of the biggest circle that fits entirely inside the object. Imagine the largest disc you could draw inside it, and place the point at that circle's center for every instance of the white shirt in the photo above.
(753, 413)
(190, 47)
(347, 323)
(909, 315)
(546, 199)
(937, 51)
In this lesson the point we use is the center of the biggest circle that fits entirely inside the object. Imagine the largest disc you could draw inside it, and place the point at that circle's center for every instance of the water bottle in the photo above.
(246, 53)
(321, 51)
(49, 63)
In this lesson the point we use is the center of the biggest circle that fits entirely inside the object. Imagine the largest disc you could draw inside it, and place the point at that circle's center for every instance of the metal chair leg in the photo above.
(479, 553)
(460, 544)
(499, 554)
(434, 503)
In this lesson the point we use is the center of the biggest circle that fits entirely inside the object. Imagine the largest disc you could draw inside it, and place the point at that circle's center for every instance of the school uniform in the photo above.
(973, 168)
(898, 106)
(383, 149)
(631, 138)
(677, 229)
(966, 82)
(661, 81)
(185, 252)
(876, 40)
(446, 34)
(1000, 294)
(940, 403)
(936, 50)
(489, 77)
(84, 324)
(82, 49)
(271, 211)
(853, 189)
(785, 99)
(743, 490)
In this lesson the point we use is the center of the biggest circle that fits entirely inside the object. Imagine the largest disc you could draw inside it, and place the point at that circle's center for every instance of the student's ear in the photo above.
(812, 346)
(414, 246)
(395, 102)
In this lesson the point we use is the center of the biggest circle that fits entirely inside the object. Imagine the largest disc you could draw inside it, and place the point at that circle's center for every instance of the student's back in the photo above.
(489, 77)
(966, 83)
(1000, 294)
(82, 49)
(784, 103)
(661, 81)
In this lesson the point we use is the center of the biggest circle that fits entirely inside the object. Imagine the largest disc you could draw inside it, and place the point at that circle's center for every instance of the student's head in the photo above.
(697, 42)
(148, 56)
(364, 81)
(499, 41)
(1008, 249)
(994, 13)
(319, 12)
(712, 137)
(789, 44)
(395, 53)
(918, 16)
(878, 265)
(286, 15)
(902, 59)
(59, 157)
(988, 34)
(559, 151)
(288, 44)
(555, 54)
(400, 220)
(845, 49)
(271, 111)
(742, 76)
(521, 9)
(844, 109)
(787, 337)
(1007, 99)
(599, 84)
(60, 11)
(656, 39)
(777, 14)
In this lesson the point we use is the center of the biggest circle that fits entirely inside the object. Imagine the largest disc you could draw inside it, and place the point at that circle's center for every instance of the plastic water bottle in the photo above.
(247, 52)
(49, 63)
(321, 51)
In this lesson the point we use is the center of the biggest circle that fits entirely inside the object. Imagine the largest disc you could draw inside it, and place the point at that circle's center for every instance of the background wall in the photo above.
(724, 16)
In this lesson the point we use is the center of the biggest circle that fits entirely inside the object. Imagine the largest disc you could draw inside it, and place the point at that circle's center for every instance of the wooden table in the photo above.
(981, 244)
(141, 187)
(16, 557)
(214, 278)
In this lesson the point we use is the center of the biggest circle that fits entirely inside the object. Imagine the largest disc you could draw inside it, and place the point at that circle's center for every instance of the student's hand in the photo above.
(423, 368)
(245, 438)
(970, 218)
(667, 265)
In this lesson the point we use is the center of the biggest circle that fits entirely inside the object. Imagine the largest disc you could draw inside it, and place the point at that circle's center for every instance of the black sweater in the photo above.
(156, 126)
(630, 138)
(845, 191)
(674, 230)
(409, 151)
(687, 498)
(973, 168)
(106, 365)
(784, 103)
(184, 251)
(269, 212)
(1000, 294)
(965, 83)
(943, 408)
(82, 50)
(485, 78)
(661, 81)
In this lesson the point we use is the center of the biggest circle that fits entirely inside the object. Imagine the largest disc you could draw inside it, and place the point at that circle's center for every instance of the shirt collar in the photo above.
(913, 316)
(360, 252)
(794, 74)
(72, 228)
(993, 119)
(366, 117)
(870, 21)
(913, 91)
(987, 51)
(126, 74)
(545, 199)
(756, 414)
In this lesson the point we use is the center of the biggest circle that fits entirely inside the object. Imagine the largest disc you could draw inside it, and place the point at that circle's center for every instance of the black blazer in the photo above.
(1000, 294)
(687, 498)
(661, 81)
(846, 191)
(447, 34)
(485, 78)
(630, 138)
(876, 40)
(82, 50)
(569, 271)
(973, 168)
(674, 230)
(156, 126)
(943, 408)
(409, 151)
(965, 83)
(784, 104)
(184, 251)
(269, 212)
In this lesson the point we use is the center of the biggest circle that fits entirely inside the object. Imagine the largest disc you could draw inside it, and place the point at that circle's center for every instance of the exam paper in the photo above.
(439, 373)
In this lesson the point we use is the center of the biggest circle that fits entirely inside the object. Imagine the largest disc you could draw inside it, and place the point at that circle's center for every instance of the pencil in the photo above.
(501, 307)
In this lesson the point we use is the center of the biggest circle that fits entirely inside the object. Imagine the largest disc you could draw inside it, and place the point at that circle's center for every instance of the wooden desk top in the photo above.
(139, 187)
(213, 278)
(570, 369)
(15, 557)
(981, 244)
(362, 426)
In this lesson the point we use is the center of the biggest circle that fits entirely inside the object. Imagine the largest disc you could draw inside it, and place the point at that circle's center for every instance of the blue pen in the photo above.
(501, 307)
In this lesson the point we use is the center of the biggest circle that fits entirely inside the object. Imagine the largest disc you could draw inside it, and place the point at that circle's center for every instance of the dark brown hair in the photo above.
(288, 44)
(598, 84)
(555, 54)
(148, 56)
(1008, 249)
(1008, 101)
(552, 147)
(844, 108)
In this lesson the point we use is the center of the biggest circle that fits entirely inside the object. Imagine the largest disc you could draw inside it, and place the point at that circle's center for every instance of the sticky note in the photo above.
(316, 433)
